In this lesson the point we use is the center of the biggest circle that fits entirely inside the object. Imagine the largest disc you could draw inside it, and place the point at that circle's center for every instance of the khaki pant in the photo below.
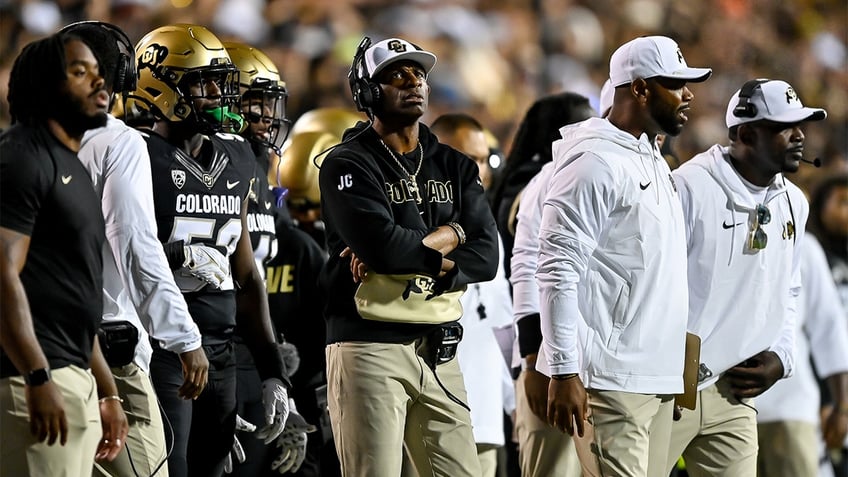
(21, 455)
(543, 450)
(718, 438)
(146, 439)
(788, 449)
(487, 454)
(628, 435)
(383, 395)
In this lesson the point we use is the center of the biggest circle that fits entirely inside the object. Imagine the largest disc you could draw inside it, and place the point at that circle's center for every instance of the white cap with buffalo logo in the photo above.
(771, 100)
(650, 57)
(390, 50)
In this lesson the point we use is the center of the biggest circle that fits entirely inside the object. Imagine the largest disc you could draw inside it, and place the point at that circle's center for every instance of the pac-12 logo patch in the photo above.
(178, 177)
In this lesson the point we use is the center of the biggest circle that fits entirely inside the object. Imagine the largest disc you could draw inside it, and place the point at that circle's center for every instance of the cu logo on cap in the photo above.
(397, 46)
(791, 95)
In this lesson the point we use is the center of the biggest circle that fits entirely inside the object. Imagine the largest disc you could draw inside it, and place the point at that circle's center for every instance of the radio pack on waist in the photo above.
(441, 344)
(118, 340)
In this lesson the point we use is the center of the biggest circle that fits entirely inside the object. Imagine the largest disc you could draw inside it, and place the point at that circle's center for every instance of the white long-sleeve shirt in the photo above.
(138, 285)
(741, 301)
(822, 335)
(612, 251)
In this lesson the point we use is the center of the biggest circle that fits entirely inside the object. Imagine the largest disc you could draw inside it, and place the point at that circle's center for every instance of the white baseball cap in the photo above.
(390, 50)
(772, 100)
(650, 57)
(607, 95)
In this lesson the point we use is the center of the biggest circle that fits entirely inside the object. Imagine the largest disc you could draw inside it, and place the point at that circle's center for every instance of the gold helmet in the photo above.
(330, 120)
(263, 96)
(170, 60)
(312, 134)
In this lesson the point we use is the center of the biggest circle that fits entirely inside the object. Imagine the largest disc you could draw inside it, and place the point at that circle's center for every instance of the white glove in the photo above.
(237, 450)
(275, 399)
(292, 442)
(207, 264)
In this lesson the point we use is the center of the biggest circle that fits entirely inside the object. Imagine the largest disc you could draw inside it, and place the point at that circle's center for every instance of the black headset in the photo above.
(366, 93)
(126, 77)
(745, 108)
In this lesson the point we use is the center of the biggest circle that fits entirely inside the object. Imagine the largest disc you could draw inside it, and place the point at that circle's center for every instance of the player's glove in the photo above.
(292, 442)
(206, 263)
(275, 399)
(237, 450)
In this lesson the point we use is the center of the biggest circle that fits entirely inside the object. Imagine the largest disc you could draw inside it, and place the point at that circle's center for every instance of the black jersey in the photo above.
(46, 194)
(294, 299)
(370, 205)
(200, 202)
(260, 215)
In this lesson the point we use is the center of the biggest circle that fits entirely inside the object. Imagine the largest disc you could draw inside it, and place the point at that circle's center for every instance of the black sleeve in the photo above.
(25, 180)
(529, 334)
(354, 201)
(477, 259)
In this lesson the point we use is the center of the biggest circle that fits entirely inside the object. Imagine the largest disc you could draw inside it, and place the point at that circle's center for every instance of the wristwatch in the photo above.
(37, 377)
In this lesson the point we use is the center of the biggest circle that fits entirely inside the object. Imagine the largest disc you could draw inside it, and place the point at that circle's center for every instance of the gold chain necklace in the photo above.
(413, 181)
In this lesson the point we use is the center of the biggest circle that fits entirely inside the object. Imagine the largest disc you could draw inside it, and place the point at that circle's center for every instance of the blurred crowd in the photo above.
(495, 57)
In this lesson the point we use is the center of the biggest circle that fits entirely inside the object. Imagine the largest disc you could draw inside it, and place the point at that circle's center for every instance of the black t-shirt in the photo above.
(46, 194)
(199, 202)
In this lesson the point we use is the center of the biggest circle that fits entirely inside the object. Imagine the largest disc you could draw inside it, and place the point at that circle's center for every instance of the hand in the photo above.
(357, 268)
(834, 426)
(568, 405)
(536, 389)
(207, 264)
(755, 375)
(292, 442)
(275, 399)
(195, 373)
(47, 418)
(115, 429)
(237, 450)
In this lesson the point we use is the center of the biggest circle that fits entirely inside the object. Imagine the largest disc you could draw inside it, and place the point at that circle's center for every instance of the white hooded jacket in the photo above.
(612, 251)
(741, 301)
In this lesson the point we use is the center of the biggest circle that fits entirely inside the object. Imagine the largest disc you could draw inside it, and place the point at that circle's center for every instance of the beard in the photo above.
(70, 114)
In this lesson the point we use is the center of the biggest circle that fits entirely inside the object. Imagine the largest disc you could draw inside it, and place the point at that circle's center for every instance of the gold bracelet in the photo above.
(458, 230)
(111, 398)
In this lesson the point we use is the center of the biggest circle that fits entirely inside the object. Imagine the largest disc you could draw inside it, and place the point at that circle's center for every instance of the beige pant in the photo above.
(543, 451)
(383, 395)
(22, 455)
(146, 439)
(788, 449)
(628, 434)
(718, 438)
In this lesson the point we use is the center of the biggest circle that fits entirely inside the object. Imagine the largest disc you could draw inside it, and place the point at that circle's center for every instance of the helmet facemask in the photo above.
(211, 95)
(263, 106)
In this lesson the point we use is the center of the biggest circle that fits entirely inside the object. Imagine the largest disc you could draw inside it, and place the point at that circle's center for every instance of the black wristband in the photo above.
(175, 254)
(37, 377)
(529, 334)
(563, 377)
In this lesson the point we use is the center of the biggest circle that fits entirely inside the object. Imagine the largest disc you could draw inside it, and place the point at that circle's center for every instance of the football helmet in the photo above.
(176, 66)
(263, 96)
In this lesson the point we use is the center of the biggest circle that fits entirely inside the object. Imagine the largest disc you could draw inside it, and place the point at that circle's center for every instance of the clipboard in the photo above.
(692, 359)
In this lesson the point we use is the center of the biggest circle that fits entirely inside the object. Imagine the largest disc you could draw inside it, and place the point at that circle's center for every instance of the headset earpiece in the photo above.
(366, 93)
(126, 76)
(745, 108)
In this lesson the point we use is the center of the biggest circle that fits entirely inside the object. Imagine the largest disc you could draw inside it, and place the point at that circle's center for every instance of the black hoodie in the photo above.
(367, 205)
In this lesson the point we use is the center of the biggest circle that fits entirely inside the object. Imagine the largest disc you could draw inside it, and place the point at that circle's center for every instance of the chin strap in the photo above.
(223, 112)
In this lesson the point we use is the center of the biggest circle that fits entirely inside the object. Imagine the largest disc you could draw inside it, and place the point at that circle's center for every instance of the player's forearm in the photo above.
(838, 385)
(18, 337)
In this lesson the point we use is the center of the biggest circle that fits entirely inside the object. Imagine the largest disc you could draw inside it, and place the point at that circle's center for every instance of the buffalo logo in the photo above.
(679, 56)
(178, 177)
(153, 55)
(420, 285)
(791, 95)
(396, 46)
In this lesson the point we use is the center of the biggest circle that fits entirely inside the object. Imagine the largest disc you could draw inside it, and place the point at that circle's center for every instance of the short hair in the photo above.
(454, 121)
(36, 79)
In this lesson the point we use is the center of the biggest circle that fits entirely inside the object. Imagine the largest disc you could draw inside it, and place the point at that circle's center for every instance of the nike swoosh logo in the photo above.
(730, 226)
(267, 205)
(644, 186)
(66, 179)
(230, 185)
